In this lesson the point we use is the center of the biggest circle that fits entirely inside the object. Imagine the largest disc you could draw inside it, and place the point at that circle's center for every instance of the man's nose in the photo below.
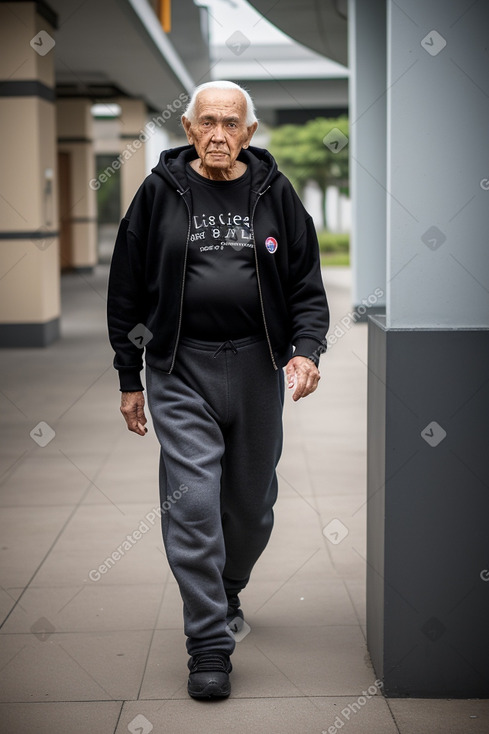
(218, 133)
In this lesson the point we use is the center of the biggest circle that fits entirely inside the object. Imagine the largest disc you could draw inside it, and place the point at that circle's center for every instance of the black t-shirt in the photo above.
(221, 299)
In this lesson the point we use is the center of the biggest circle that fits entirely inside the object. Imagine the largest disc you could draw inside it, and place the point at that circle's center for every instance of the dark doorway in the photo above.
(64, 197)
(108, 204)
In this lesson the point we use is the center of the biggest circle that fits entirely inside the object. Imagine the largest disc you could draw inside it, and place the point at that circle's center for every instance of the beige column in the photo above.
(78, 203)
(29, 251)
(133, 163)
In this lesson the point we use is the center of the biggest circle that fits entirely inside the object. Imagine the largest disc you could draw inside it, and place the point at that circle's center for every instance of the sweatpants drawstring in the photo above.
(224, 346)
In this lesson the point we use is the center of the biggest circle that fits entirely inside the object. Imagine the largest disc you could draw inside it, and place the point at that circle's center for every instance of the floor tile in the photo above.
(171, 609)
(26, 539)
(298, 602)
(81, 641)
(318, 660)
(440, 717)
(47, 666)
(53, 718)
(142, 564)
(8, 599)
(57, 482)
(357, 591)
(242, 716)
(106, 526)
(88, 608)
(284, 558)
(166, 672)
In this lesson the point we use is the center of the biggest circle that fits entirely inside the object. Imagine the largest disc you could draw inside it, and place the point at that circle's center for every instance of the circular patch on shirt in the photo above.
(271, 244)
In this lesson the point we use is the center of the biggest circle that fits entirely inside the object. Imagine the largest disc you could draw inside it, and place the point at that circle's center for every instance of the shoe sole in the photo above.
(210, 691)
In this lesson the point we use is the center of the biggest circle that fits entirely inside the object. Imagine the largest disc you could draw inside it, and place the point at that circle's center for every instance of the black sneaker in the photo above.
(234, 616)
(209, 675)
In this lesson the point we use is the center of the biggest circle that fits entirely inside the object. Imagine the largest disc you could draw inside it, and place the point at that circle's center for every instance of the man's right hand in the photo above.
(132, 408)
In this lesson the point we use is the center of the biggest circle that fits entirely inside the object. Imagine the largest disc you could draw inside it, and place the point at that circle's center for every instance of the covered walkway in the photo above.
(89, 644)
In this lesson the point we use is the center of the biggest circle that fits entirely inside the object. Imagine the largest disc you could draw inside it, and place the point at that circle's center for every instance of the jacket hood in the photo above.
(172, 162)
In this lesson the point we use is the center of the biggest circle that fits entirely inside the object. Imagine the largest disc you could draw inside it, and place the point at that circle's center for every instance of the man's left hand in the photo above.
(304, 375)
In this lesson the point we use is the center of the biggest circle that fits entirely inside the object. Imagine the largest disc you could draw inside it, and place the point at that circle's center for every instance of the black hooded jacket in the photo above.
(147, 273)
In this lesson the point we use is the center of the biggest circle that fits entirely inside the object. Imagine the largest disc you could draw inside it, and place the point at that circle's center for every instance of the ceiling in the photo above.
(117, 47)
(321, 25)
(105, 49)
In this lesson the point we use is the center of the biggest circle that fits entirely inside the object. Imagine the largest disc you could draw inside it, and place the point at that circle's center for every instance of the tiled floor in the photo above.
(106, 655)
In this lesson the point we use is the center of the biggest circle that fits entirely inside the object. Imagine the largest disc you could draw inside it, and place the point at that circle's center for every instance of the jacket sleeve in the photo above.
(308, 305)
(126, 307)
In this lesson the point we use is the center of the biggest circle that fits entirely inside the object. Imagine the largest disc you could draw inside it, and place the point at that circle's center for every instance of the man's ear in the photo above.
(186, 126)
(251, 131)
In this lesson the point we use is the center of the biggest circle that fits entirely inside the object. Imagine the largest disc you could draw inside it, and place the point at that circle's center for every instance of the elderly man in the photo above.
(216, 273)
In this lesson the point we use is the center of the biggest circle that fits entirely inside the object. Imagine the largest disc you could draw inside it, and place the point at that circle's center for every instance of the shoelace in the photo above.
(209, 662)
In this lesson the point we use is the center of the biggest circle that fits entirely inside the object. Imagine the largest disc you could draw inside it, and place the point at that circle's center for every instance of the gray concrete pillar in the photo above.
(29, 252)
(428, 475)
(367, 104)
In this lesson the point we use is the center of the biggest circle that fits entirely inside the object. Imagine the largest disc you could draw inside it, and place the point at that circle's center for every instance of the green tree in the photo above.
(316, 151)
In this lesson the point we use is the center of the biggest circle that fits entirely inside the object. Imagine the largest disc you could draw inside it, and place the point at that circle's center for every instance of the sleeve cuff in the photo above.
(310, 348)
(129, 380)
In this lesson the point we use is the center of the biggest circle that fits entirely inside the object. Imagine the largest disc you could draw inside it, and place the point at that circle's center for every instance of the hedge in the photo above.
(333, 242)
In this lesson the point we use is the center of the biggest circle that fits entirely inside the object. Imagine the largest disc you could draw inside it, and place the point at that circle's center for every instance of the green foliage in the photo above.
(302, 155)
(334, 248)
(333, 242)
(109, 193)
(334, 259)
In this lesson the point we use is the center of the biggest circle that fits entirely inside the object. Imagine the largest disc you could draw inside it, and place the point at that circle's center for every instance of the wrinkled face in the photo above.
(219, 131)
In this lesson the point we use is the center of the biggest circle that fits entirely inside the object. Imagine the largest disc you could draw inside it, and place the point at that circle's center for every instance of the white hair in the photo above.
(250, 108)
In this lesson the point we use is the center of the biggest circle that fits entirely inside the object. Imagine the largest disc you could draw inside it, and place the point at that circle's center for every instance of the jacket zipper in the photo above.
(260, 193)
(183, 282)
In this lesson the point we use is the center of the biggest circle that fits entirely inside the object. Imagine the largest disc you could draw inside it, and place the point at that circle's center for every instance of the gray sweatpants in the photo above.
(218, 418)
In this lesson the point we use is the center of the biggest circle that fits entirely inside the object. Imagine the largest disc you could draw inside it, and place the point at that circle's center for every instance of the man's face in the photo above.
(219, 132)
